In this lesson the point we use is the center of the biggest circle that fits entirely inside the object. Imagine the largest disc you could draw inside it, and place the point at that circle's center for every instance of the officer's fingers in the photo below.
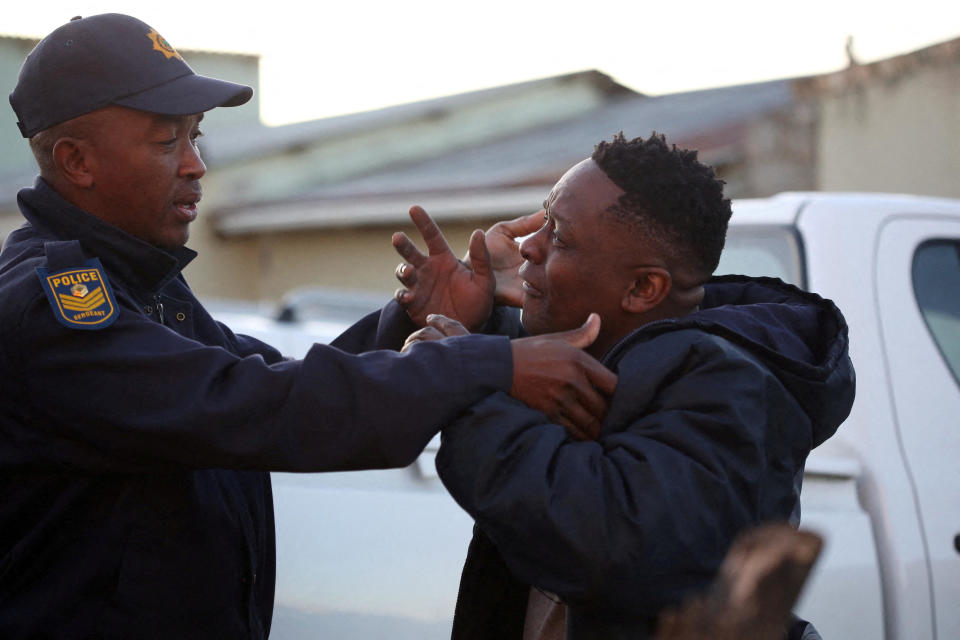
(591, 403)
(602, 379)
(573, 426)
(522, 226)
(582, 419)
(407, 250)
(446, 326)
(432, 236)
(406, 274)
(584, 335)
(421, 335)
(479, 255)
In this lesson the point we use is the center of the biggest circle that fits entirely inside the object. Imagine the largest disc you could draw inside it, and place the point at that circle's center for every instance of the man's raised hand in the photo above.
(438, 282)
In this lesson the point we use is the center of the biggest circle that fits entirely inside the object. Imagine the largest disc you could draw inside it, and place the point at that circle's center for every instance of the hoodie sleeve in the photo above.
(700, 441)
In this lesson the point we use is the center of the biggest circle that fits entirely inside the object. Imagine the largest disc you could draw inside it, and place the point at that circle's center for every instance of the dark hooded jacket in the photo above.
(706, 435)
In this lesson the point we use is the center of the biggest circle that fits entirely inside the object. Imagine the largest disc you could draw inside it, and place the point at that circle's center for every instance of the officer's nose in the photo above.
(191, 164)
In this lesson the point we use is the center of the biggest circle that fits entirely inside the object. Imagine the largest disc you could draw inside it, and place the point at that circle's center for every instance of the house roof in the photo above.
(543, 154)
(258, 141)
(855, 74)
(503, 176)
(14, 36)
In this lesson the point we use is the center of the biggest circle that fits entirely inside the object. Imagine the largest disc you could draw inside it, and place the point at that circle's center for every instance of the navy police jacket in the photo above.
(706, 435)
(136, 433)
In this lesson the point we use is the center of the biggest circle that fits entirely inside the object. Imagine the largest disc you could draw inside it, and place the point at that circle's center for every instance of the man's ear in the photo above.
(651, 285)
(71, 157)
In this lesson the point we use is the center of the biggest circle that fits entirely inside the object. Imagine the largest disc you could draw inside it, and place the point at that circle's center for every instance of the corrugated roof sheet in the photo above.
(544, 153)
(253, 141)
(514, 172)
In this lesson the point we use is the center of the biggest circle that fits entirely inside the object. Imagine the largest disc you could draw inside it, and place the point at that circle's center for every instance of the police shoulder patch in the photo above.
(80, 296)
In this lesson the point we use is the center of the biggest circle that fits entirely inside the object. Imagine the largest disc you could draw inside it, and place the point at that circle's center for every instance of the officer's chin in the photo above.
(174, 240)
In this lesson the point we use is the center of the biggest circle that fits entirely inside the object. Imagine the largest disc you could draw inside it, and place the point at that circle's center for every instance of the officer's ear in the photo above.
(649, 287)
(71, 158)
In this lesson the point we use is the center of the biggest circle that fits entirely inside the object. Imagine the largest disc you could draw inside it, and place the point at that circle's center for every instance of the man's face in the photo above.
(579, 261)
(146, 174)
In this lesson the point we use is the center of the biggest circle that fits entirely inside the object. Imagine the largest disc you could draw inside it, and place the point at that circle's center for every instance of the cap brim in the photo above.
(188, 94)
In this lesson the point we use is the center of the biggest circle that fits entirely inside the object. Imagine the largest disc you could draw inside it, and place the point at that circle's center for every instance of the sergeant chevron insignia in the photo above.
(81, 297)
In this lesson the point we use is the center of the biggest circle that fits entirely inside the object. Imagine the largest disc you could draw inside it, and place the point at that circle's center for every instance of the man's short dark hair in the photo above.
(670, 196)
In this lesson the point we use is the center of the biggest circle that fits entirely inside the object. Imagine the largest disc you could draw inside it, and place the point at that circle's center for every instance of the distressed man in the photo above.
(138, 432)
(724, 387)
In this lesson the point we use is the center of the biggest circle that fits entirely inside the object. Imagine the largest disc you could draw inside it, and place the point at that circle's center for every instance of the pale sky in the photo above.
(326, 58)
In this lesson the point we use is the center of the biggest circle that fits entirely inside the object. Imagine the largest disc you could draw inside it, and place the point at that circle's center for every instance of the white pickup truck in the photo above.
(377, 554)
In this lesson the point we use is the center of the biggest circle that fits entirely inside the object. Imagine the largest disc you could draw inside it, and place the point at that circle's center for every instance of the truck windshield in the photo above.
(763, 250)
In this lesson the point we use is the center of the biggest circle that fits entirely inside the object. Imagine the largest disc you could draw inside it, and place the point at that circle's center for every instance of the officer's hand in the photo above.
(438, 327)
(505, 260)
(438, 282)
(553, 374)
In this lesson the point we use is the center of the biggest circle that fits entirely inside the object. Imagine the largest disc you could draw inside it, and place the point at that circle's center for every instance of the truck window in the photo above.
(755, 250)
(936, 285)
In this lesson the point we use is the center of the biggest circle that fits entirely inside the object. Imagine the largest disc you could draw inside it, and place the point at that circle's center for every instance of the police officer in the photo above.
(137, 432)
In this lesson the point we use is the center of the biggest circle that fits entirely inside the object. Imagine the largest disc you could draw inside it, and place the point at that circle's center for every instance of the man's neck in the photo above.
(666, 310)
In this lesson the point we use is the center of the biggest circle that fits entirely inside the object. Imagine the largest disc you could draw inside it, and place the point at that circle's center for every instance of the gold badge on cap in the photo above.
(160, 44)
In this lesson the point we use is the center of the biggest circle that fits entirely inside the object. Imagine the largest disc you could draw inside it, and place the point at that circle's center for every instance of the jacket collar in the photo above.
(128, 257)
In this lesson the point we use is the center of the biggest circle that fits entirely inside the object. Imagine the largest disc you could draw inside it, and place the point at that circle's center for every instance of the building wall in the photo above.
(14, 152)
(893, 132)
(780, 152)
(266, 266)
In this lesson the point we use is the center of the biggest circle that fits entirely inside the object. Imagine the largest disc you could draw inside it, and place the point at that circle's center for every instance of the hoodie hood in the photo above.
(800, 336)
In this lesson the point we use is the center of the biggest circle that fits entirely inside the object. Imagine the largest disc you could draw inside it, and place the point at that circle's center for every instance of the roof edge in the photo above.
(326, 213)
(856, 74)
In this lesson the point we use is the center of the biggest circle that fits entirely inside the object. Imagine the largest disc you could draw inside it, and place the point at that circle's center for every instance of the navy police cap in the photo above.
(108, 59)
